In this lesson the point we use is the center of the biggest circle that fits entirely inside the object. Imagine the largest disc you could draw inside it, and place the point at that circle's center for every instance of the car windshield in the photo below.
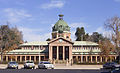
(12, 63)
(46, 62)
(113, 63)
(29, 62)
(107, 63)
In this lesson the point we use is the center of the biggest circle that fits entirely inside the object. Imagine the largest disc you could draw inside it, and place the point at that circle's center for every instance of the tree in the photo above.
(10, 38)
(106, 47)
(96, 37)
(48, 39)
(80, 34)
(113, 24)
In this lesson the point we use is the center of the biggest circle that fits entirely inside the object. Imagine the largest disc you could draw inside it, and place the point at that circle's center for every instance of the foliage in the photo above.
(80, 34)
(10, 38)
(96, 37)
(48, 39)
(106, 47)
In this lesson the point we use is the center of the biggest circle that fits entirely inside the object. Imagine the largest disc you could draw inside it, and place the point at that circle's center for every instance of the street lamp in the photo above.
(39, 53)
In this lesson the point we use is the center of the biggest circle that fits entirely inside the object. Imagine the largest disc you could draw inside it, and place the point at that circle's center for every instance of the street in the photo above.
(48, 71)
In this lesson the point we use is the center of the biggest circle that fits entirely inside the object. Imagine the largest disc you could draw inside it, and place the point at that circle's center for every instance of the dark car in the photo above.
(110, 65)
(116, 70)
(13, 65)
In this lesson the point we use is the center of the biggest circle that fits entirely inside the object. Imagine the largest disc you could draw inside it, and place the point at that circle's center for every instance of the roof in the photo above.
(75, 43)
(61, 25)
(21, 51)
(84, 43)
(35, 43)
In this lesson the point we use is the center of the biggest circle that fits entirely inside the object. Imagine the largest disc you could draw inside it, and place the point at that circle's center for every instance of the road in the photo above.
(48, 71)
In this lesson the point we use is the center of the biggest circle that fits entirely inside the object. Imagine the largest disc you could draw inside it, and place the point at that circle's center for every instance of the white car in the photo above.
(45, 65)
(29, 64)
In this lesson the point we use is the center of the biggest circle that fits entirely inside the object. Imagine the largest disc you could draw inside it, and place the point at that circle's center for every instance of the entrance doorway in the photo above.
(60, 52)
(66, 52)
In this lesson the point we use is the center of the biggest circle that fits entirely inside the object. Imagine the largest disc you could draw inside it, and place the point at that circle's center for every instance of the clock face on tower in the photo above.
(60, 40)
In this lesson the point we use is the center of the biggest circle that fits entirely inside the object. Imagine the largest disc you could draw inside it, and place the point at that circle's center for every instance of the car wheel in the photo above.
(17, 68)
(24, 67)
(33, 67)
(52, 68)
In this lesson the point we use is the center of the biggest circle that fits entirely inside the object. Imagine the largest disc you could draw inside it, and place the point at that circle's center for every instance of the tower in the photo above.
(61, 29)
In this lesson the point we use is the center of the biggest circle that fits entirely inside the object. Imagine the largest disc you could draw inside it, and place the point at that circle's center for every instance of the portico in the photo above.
(60, 49)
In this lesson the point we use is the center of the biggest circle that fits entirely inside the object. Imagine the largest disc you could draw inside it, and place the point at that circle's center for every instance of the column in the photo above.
(77, 57)
(70, 52)
(50, 52)
(57, 52)
(6, 58)
(101, 59)
(35, 58)
(20, 58)
(106, 59)
(39, 53)
(30, 58)
(63, 52)
(115, 57)
(81, 59)
(111, 58)
(11, 58)
(25, 58)
(91, 60)
(16, 58)
(86, 58)
(96, 59)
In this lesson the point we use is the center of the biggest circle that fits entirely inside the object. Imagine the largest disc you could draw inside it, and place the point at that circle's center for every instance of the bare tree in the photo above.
(113, 24)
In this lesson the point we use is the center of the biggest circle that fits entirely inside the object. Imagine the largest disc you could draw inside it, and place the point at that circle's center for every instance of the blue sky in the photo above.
(35, 18)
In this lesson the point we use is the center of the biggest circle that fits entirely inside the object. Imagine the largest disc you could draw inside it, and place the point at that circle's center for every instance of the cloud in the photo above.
(16, 15)
(105, 33)
(53, 4)
(31, 34)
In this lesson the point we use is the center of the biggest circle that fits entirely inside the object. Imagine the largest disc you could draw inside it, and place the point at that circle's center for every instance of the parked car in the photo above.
(45, 65)
(29, 64)
(13, 65)
(116, 70)
(111, 65)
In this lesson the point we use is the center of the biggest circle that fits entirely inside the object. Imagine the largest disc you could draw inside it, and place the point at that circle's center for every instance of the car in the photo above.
(13, 65)
(29, 64)
(116, 70)
(45, 65)
(110, 65)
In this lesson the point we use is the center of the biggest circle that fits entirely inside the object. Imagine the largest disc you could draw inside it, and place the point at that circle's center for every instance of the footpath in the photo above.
(62, 66)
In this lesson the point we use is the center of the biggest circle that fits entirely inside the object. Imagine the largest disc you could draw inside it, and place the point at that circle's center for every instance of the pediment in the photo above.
(60, 41)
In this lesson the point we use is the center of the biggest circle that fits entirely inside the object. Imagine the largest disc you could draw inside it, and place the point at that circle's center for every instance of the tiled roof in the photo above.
(35, 43)
(80, 43)
(76, 43)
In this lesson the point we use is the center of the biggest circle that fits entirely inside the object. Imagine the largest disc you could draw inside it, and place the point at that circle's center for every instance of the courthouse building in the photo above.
(60, 48)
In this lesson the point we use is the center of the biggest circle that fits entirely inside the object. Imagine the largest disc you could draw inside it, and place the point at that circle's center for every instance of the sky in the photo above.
(35, 18)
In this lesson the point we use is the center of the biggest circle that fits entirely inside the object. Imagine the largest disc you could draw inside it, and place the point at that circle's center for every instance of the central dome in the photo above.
(61, 25)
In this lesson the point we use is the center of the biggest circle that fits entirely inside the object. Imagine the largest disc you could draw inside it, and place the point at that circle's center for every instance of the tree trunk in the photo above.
(1, 55)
